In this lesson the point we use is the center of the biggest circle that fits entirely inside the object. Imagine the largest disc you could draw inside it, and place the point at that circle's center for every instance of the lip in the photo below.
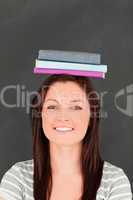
(63, 127)
(64, 132)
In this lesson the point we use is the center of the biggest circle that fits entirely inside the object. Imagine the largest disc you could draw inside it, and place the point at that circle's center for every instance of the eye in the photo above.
(77, 108)
(51, 107)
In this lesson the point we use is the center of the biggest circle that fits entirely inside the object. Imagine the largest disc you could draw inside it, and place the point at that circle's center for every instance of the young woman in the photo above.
(66, 162)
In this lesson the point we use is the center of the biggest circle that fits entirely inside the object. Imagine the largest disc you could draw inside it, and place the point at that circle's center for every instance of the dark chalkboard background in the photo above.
(80, 25)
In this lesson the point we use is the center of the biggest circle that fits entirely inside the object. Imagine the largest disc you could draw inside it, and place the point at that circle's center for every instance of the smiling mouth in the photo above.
(63, 130)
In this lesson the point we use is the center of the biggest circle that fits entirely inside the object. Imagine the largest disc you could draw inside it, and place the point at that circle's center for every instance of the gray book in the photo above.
(70, 56)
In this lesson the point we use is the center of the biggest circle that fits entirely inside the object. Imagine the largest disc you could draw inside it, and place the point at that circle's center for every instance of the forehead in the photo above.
(68, 90)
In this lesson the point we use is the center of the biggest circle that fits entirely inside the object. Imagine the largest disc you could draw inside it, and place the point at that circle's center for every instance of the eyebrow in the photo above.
(74, 100)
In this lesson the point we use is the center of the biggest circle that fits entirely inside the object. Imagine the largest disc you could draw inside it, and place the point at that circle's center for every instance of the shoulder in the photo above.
(112, 172)
(23, 168)
(111, 169)
(115, 182)
(16, 180)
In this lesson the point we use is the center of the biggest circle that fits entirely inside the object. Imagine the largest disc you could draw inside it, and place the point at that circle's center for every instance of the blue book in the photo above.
(46, 64)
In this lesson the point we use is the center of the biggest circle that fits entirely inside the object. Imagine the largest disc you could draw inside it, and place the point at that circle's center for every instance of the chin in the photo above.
(64, 142)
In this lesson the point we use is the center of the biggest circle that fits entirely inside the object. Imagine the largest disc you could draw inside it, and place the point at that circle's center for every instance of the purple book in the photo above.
(72, 72)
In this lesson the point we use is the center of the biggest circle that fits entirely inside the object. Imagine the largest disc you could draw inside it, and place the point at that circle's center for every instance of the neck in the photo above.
(65, 160)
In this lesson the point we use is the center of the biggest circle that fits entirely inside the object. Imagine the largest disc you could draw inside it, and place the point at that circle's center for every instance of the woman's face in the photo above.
(65, 113)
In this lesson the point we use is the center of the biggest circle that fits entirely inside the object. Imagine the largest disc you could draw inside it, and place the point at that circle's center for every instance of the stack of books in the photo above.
(69, 62)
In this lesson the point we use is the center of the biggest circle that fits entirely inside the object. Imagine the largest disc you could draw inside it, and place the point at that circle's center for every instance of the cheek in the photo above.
(79, 121)
(46, 124)
(46, 118)
(82, 123)
(83, 119)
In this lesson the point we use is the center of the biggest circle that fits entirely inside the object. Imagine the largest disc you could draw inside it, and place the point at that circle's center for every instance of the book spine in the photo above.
(72, 72)
(70, 66)
(70, 56)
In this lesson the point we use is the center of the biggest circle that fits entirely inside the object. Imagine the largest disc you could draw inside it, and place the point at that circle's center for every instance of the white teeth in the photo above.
(64, 129)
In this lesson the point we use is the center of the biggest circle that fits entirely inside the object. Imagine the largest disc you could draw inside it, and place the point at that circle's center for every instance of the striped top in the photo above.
(17, 183)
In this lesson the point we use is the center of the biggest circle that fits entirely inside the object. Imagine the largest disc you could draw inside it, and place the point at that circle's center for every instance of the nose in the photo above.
(63, 116)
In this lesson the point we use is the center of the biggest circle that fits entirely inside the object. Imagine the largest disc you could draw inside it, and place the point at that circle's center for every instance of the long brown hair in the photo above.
(91, 161)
